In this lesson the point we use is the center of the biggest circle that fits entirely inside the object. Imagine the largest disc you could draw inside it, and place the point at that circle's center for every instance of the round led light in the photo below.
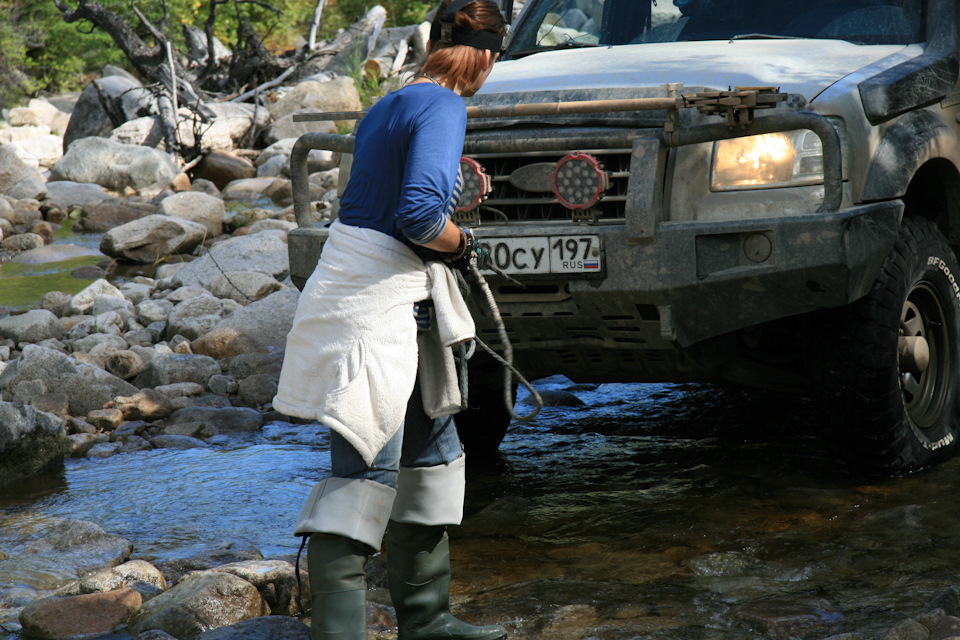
(579, 181)
(474, 180)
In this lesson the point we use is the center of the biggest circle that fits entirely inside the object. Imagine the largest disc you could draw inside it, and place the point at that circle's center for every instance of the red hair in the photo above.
(459, 63)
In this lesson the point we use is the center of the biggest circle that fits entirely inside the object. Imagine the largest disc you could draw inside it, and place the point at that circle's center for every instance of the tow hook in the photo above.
(913, 354)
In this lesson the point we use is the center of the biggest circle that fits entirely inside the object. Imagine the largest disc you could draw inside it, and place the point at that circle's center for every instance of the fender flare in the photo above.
(915, 139)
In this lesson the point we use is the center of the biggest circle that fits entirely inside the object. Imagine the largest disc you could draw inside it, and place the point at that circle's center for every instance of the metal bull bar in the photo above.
(737, 107)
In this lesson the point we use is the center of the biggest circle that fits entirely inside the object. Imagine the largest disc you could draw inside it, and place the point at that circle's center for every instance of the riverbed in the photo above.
(666, 511)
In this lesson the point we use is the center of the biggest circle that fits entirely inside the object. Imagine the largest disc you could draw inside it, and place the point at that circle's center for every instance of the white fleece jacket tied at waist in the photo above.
(351, 356)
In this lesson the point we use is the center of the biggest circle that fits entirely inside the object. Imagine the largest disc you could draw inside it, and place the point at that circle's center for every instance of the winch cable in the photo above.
(507, 358)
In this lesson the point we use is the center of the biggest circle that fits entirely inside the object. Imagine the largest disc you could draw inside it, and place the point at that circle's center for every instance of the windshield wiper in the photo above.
(569, 44)
(762, 36)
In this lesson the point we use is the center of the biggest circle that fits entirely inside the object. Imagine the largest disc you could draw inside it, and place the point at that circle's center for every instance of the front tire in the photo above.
(893, 381)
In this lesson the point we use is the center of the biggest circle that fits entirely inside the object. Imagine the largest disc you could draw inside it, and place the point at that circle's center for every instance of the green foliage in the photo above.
(14, 85)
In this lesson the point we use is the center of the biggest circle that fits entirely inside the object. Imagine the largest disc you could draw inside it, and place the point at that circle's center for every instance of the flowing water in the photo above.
(653, 511)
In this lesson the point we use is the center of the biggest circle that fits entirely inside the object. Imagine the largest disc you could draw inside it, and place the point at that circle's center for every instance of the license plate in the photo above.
(545, 254)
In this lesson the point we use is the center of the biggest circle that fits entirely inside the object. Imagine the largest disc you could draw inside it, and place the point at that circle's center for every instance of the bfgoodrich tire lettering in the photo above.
(892, 414)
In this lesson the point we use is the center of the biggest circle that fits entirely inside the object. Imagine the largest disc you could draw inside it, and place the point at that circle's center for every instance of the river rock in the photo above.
(13, 169)
(194, 317)
(93, 341)
(249, 189)
(199, 603)
(146, 131)
(10, 135)
(201, 557)
(32, 326)
(175, 441)
(30, 187)
(90, 387)
(339, 94)
(79, 616)
(244, 287)
(222, 168)
(235, 124)
(275, 627)
(81, 443)
(110, 322)
(263, 252)
(196, 207)
(134, 573)
(264, 323)
(30, 442)
(168, 368)
(102, 216)
(104, 450)
(285, 127)
(150, 239)
(73, 548)
(89, 118)
(781, 617)
(225, 420)
(276, 581)
(49, 114)
(67, 194)
(258, 389)
(273, 168)
(40, 151)
(22, 242)
(124, 364)
(147, 404)
(150, 311)
(113, 165)
(197, 430)
(83, 300)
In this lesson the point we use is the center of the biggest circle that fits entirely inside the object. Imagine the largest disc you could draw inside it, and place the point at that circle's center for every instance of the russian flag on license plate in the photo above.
(591, 264)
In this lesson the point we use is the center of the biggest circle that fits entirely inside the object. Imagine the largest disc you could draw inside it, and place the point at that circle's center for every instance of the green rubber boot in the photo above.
(338, 587)
(418, 571)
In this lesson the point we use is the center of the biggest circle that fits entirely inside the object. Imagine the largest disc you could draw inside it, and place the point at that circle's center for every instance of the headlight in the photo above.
(786, 159)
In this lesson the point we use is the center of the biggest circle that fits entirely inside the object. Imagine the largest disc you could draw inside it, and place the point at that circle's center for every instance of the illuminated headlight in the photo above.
(476, 183)
(579, 181)
(787, 159)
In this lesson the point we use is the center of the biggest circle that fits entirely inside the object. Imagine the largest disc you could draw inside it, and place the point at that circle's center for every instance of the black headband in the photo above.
(444, 30)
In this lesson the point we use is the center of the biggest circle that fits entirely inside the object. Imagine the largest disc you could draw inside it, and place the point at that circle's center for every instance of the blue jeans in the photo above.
(419, 442)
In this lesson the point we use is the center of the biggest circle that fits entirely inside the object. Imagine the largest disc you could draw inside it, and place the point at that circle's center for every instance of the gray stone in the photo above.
(136, 292)
(109, 322)
(89, 118)
(105, 303)
(124, 364)
(83, 301)
(73, 548)
(263, 252)
(32, 326)
(244, 287)
(90, 387)
(22, 242)
(30, 187)
(223, 385)
(285, 127)
(42, 151)
(92, 341)
(168, 368)
(249, 189)
(339, 94)
(13, 169)
(146, 131)
(150, 311)
(194, 317)
(200, 603)
(266, 322)
(101, 216)
(272, 224)
(152, 238)
(226, 420)
(30, 442)
(197, 207)
(113, 165)
(68, 194)
(55, 253)
(124, 574)
(81, 443)
(103, 450)
(173, 441)
(185, 560)
(276, 581)
(258, 389)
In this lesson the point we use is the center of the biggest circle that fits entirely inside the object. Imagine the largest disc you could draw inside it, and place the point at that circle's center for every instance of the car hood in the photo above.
(804, 67)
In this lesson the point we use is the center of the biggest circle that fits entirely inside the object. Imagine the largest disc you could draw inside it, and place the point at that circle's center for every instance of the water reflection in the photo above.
(657, 511)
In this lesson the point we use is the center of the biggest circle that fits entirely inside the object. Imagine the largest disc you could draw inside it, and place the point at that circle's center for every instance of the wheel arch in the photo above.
(934, 192)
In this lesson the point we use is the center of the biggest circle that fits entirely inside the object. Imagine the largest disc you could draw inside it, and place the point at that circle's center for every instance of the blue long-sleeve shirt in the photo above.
(407, 150)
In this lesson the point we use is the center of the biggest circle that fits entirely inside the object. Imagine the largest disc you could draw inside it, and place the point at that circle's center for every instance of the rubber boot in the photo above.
(338, 587)
(418, 572)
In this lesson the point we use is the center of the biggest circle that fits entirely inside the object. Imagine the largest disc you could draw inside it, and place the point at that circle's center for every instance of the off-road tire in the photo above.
(483, 425)
(884, 418)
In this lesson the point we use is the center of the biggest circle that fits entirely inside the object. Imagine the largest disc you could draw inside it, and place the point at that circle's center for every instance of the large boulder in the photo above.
(171, 368)
(40, 151)
(263, 252)
(114, 165)
(196, 207)
(149, 239)
(339, 94)
(126, 98)
(199, 603)
(79, 616)
(102, 216)
(33, 326)
(30, 442)
(13, 169)
(286, 127)
(67, 194)
(263, 324)
(89, 387)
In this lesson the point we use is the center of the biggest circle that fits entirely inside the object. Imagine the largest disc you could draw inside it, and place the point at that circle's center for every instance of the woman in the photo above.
(352, 355)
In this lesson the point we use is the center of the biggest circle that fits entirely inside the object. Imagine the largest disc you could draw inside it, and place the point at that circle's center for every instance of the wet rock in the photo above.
(784, 617)
(948, 600)
(90, 387)
(103, 450)
(151, 238)
(30, 442)
(13, 169)
(129, 428)
(275, 627)
(147, 404)
(97, 341)
(258, 389)
(197, 430)
(197, 207)
(201, 557)
(74, 548)
(266, 322)
(276, 581)
(222, 168)
(948, 627)
(127, 574)
(244, 287)
(906, 630)
(77, 425)
(200, 603)
(135, 443)
(225, 420)
(169, 368)
(194, 317)
(112, 212)
(173, 441)
(113, 165)
(81, 443)
(32, 326)
(72, 616)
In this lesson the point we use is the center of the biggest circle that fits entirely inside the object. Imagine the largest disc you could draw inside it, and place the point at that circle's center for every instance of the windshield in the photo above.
(573, 23)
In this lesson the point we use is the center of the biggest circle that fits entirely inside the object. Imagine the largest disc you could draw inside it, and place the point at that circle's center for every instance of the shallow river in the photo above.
(653, 511)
